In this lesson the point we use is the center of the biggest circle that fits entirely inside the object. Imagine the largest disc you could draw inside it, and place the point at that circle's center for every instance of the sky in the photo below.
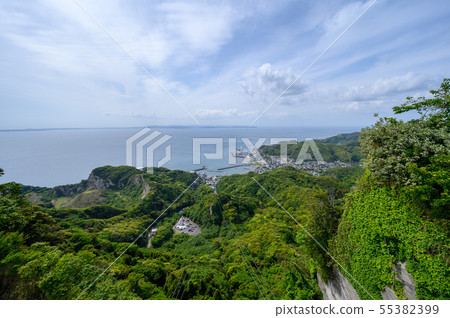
(112, 63)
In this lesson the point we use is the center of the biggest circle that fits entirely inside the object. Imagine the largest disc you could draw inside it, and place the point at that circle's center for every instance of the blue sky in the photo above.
(224, 61)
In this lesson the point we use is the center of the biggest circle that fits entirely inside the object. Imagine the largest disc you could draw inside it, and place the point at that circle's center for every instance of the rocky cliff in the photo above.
(339, 288)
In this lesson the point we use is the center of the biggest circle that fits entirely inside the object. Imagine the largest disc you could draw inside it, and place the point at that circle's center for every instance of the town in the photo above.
(274, 162)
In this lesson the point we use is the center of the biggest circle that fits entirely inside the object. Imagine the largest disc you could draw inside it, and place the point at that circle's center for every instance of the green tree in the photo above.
(436, 108)
(392, 145)
(387, 218)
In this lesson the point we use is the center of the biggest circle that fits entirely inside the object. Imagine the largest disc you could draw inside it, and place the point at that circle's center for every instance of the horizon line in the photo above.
(166, 126)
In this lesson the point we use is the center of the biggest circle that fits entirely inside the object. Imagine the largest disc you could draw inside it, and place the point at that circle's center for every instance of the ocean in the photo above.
(64, 156)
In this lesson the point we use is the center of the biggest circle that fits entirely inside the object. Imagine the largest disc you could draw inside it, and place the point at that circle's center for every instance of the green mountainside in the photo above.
(343, 147)
(263, 236)
(341, 139)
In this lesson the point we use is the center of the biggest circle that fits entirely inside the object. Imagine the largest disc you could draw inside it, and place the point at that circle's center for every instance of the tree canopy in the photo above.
(55, 242)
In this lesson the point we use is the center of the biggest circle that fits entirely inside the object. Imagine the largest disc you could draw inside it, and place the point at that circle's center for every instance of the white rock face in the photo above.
(338, 288)
(388, 294)
(407, 281)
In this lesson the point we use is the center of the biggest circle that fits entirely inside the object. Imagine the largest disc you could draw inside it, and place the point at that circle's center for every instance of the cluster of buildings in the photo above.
(185, 225)
(312, 167)
(210, 180)
(315, 168)
(274, 162)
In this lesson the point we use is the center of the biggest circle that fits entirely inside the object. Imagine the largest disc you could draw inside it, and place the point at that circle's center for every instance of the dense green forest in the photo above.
(343, 147)
(264, 236)
(399, 211)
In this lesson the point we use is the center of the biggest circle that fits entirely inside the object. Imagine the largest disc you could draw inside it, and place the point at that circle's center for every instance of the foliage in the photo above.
(391, 146)
(235, 238)
(380, 228)
(348, 176)
(163, 234)
(18, 215)
(399, 213)
(434, 109)
(102, 212)
(346, 152)
(395, 209)
(341, 139)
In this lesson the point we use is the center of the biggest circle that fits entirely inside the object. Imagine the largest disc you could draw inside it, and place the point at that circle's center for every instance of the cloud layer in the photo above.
(225, 62)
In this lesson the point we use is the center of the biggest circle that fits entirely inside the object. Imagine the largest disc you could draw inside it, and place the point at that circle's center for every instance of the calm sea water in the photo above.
(56, 157)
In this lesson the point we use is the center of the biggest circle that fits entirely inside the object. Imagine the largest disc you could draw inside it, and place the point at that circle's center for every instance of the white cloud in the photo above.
(268, 81)
(212, 57)
(401, 84)
(387, 87)
(68, 45)
(344, 17)
(381, 94)
(200, 27)
(168, 33)
(352, 106)
(366, 106)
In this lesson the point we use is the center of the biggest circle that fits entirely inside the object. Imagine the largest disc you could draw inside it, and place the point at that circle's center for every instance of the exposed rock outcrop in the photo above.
(92, 183)
(337, 288)
(405, 279)
(146, 188)
(98, 183)
(388, 294)
(69, 190)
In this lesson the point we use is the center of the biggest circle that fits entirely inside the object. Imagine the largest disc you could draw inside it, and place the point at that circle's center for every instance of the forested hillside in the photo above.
(343, 147)
(263, 236)
(248, 249)
(400, 210)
